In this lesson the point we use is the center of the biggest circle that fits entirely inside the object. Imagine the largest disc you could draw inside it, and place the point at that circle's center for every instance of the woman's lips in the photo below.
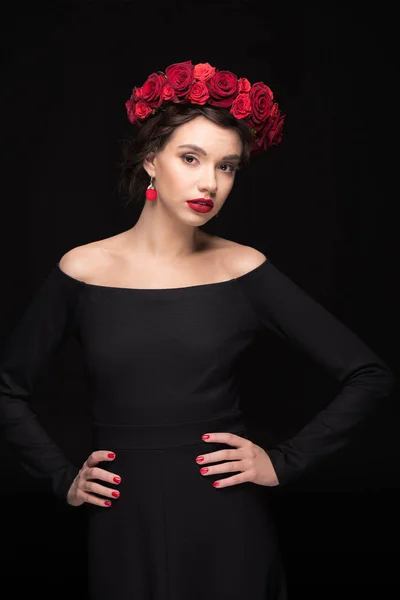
(201, 208)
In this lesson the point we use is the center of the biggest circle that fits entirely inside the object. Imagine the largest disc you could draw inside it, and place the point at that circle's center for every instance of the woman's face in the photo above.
(185, 173)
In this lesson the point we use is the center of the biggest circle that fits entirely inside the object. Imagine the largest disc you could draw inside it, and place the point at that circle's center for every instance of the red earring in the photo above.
(151, 192)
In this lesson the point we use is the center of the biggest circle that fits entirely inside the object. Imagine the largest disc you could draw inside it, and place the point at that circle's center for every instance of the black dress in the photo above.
(162, 365)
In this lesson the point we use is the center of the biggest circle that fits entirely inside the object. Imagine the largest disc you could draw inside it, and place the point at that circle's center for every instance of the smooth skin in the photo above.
(84, 489)
(252, 460)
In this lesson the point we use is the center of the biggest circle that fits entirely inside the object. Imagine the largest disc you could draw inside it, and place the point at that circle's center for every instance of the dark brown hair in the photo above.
(155, 132)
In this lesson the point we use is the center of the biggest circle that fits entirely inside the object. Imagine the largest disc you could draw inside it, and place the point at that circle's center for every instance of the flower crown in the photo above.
(203, 84)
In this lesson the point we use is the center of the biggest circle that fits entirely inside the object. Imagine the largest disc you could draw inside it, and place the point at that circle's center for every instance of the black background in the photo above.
(322, 206)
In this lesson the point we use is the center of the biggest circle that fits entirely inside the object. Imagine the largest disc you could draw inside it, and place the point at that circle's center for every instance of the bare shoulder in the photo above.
(80, 261)
(241, 259)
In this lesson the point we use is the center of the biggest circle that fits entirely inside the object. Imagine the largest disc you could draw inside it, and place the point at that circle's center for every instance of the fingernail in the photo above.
(199, 458)
(205, 437)
(115, 494)
(111, 455)
(107, 503)
(117, 479)
(204, 470)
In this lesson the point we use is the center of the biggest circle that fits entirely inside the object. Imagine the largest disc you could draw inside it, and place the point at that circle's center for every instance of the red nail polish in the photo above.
(117, 479)
(204, 470)
(205, 437)
(215, 484)
(199, 458)
(111, 455)
(107, 503)
(115, 494)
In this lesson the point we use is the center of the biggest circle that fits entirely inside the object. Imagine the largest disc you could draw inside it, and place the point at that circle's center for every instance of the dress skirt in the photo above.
(171, 535)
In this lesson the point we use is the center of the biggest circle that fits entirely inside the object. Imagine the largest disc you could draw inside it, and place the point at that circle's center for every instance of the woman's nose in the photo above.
(208, 183)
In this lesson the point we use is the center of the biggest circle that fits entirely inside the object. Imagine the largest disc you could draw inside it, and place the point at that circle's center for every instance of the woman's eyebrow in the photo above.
(194, 147)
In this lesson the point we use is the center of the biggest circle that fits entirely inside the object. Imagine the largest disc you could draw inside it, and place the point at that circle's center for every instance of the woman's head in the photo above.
(196, 102)
(154, 152)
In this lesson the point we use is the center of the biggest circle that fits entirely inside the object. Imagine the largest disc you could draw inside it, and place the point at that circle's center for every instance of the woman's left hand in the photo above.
(251, 460)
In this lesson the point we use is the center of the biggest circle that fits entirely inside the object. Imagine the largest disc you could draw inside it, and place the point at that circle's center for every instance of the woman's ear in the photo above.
(148, 164)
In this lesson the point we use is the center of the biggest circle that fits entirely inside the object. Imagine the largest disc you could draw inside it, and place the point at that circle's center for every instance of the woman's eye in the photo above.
(186, 157)
(230, 169)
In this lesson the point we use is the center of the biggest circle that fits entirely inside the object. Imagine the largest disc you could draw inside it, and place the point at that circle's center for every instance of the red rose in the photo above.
(136, 94)
(180, 77)
(241, 106)
(223, 87)
(261, 98)
(131, 104)
(271, 134)
(255, 126)
(198, 93)
(152, 90)
(142, 110)
(168, 93)
(203, 71)
(244, 85)
(273, 130)
(130, 109)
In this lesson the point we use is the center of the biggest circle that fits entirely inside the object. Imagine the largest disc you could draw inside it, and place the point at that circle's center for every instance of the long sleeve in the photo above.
(42, 328)
(283, 307)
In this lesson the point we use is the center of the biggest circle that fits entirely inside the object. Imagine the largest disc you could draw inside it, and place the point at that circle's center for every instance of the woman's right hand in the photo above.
(84, 489)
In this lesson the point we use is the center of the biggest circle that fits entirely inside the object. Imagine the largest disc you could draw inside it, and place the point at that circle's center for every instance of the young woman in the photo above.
(164, 311)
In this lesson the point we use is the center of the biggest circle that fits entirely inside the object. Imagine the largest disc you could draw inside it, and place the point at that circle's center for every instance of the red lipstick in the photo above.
(201, 205)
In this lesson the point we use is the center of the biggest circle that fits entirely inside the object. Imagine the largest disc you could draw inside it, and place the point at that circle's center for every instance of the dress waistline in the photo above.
(168, 435)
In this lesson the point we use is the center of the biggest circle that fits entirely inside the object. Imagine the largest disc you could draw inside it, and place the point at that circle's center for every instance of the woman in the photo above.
(164, 311)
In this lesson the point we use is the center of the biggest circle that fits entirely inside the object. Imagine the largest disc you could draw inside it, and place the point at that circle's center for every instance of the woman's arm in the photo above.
(284, 308)
(37, 335)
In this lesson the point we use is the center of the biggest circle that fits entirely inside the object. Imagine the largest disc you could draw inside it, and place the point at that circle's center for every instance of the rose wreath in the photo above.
(203, 84)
